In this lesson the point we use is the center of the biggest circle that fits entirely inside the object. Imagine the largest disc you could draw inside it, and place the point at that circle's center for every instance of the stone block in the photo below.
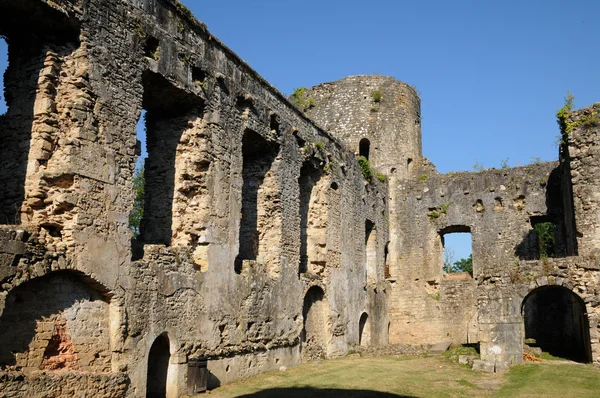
(501, 367)
(483, 366)
(466, 359)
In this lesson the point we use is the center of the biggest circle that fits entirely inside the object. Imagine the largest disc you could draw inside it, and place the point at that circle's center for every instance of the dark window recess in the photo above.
(364, 146)
(545, 239)
(198, 76)
(258, 156)
(168, 111)
(151, 48)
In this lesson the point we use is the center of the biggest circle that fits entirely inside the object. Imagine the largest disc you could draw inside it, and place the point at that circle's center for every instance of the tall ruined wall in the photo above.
(579, 152)
(495, 206)
(242, 189)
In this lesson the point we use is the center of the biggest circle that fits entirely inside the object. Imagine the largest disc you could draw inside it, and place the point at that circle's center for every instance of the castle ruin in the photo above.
(263, 242)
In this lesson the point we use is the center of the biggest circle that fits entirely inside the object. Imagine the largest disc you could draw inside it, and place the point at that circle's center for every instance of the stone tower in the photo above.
(377, 116)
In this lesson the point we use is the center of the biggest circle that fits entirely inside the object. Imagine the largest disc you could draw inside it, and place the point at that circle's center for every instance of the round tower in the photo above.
(377, 116)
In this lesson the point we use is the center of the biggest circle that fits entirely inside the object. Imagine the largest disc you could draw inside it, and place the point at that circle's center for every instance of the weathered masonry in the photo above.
(251, 249)
(264, 241)
(517, 293)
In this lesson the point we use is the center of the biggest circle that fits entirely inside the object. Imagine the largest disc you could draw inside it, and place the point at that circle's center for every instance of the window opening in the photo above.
(137, 213)
(169, 114)
(313, 220)
(260, 224)
(544, 240)
(386, 260)
(151, 48)
(457, 250)
(545, 231)
(370, 252)
(364, 147)
(3, 66)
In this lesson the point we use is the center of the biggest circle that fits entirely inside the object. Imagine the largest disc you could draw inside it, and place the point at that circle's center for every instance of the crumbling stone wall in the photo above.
(224, 179)
(249, 205)
(55, 322)
(63, 385)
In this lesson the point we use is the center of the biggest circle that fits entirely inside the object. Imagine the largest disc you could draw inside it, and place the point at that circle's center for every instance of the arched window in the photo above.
(364, 146)
(370, 252)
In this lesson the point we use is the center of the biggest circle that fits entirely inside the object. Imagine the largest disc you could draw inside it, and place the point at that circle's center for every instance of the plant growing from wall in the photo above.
(137, 27)
(381, 177)
(563, 113)
(444, 207)
(301, 99)
(183, 9)
(478, 166)
(504, 163)
(536, 160)
(433, 214)
(137, 213)
(365, 168)
(376, 95)
(320, 146)
(567, 125)
(546, 241)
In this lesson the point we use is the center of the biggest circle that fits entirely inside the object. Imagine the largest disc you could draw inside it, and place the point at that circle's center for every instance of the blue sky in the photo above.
(491, 74)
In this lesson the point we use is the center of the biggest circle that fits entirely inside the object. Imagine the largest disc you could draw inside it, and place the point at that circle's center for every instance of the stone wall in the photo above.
(63, 385)
(242, 189)
(262, 243)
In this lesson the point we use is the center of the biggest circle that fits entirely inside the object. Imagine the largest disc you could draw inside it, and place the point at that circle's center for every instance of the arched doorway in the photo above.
(314, 330)
(556, 319)
(364, 330)
(364, 147)
(158, 366)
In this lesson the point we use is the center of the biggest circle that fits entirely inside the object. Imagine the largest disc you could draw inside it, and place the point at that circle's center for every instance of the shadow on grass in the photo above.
(307, 392)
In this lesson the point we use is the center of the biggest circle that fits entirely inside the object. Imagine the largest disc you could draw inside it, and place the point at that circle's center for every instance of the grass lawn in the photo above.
(417, 377)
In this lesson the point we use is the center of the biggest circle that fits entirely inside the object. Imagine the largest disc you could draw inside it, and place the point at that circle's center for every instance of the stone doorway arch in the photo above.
(364, 330)
(555, 319)
(158, 367)
(314, 331)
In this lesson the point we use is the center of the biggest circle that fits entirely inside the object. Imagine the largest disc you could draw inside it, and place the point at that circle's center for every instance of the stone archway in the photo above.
(59, 321)
(158, 367)
(364, 330)
(556, 319)
(314, 331)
